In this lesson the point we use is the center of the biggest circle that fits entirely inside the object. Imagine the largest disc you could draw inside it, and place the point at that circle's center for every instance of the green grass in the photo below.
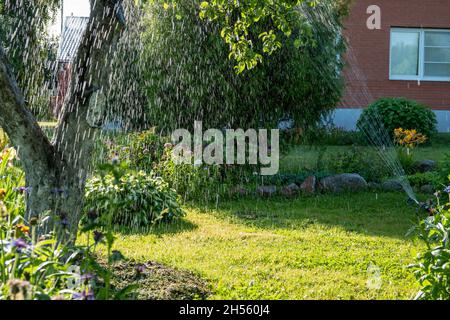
(309, 248)
(48, 124)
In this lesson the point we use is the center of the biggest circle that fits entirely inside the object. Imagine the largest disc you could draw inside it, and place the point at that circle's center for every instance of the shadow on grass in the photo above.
(172, 228)
(384, 214)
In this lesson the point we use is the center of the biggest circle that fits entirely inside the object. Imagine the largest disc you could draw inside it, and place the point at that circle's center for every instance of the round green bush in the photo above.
(135, 199)
(399, 113)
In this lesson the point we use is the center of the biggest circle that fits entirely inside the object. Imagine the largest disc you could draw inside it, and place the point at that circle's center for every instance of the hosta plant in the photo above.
(132, 199)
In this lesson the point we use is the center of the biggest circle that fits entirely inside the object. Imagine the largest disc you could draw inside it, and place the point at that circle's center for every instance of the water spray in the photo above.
(427, 206)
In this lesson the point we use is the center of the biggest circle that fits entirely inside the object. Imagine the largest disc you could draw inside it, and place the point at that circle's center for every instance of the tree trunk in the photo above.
(56, 171)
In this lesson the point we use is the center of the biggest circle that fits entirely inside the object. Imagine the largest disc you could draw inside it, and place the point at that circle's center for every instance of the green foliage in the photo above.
(139, 150)
(189, 76)
(192, 182)
(333, 136)
(30, 268)
(253, 29)
(406, 160)
(42, 268)
(356, 160)
(29, 49)
(427, 178)
(397, 113)
(444, 167)
(432, 269)
(132, 198)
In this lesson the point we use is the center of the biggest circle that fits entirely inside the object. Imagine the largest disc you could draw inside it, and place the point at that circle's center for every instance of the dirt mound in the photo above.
(155, 281)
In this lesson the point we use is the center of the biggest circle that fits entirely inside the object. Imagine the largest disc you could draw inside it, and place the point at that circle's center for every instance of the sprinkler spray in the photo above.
(427, 206)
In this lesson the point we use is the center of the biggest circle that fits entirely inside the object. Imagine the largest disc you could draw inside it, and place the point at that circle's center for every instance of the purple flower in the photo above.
(22, 190)
(19, 244)
(141, 268)
(447, 190)
(85, 295)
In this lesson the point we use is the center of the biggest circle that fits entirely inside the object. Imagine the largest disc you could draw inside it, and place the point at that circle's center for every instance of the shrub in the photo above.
(139, 150)
(399, 113)
(133, 199)
(427, 178)
(357, 160)
(432, 269)
(192, 182)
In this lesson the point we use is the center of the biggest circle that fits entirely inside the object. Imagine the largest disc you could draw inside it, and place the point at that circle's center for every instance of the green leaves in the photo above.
(239, 20)
(135, 199)
(400, 113)
(432, 268)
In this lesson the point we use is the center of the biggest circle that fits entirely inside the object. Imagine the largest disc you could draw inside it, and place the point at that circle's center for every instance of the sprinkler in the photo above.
(427, 206)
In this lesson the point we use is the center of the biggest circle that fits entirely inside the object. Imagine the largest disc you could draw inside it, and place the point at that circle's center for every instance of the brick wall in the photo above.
(367, 70)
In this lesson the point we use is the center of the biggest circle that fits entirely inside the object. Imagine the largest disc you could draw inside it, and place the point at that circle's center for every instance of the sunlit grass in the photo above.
(311, 248)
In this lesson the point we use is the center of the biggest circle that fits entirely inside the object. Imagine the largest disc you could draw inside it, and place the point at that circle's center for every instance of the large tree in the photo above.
(56, 170)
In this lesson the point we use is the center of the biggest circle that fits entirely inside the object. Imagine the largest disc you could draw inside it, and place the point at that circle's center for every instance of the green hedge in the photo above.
(399, 113)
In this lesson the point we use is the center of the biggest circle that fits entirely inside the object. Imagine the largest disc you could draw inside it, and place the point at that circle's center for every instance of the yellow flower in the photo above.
(23, 228)
(409, 138)
(2, 194)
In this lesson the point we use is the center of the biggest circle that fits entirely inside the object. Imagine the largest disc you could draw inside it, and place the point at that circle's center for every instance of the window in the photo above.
(420, 54)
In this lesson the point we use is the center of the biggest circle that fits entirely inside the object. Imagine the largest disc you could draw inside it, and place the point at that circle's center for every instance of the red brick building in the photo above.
(72, 33)
(397, 48)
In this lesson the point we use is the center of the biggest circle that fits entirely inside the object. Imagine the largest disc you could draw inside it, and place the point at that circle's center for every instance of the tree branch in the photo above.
(34, 148)
(90, 74)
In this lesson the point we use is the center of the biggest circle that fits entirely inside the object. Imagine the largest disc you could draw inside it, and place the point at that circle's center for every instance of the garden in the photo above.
(94, 205)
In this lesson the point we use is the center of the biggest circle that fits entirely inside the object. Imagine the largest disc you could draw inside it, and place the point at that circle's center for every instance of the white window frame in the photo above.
(420, 76)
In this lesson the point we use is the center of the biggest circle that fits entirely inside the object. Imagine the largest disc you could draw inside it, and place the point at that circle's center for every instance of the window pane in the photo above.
(437, 70)
(440, 39)
(437, 54)
(405, 53)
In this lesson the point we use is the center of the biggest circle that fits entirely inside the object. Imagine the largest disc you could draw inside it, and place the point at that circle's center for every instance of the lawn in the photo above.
(307, 248)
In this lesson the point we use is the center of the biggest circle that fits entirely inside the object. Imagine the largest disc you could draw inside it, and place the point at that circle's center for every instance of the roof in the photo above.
(71, 37)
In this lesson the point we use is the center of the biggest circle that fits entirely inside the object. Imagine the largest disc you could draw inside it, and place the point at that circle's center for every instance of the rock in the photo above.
(428, 189)
(267, 191)
(392, 185)
(425, 166)
(291, 190)
(343, 182)
(309, 185)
